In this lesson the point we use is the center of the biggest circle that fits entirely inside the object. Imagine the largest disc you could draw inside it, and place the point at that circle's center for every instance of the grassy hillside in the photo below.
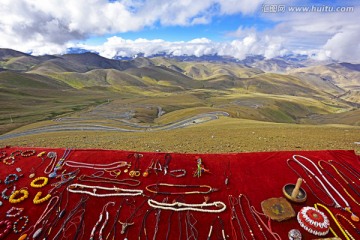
(159, 91)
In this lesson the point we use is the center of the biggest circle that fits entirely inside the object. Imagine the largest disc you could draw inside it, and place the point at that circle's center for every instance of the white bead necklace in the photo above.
(118, 191)
(98, 166)
(179, 206)
(337, 205)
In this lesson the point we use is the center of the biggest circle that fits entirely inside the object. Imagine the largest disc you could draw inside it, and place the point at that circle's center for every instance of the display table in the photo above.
(79, 198)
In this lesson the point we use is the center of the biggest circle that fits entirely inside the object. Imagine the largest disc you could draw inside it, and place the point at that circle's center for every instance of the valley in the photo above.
(47, 97)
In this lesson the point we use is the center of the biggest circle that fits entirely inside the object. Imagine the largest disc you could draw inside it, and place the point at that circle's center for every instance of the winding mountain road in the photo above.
(80, 126)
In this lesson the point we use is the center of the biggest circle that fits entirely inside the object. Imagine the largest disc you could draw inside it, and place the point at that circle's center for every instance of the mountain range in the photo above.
(292, 88)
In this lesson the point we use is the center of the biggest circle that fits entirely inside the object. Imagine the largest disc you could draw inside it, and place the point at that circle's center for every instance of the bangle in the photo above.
(36, 185)
(3, 193)
(16, 153)
(8, 224)
(13, 196)
(28, 153)
(38, 200)
(182, 173)
(19, 211)
(7, 162)
(8, 180)
(22, 228)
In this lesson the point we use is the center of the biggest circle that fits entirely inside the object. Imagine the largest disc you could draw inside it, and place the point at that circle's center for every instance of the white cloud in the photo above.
(43, 26)
(25, 24)
(252, 44)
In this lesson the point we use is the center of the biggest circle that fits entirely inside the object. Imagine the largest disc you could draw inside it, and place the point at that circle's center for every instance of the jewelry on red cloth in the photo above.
(3, 193)
(8, 225)
(13, 196)
(34, 183)
(200, 168)
(28, 153)
(7, 180)
(99, 179)
(221, 222)
(104, 210)
(38, 200)
(12, 209)
(73, 188)
(313, 221)
(347, 206)
(15, 229)
(16, 153)
(97, 166)
(177, 173)
(157, 185)
(7, 162)
(197, 207)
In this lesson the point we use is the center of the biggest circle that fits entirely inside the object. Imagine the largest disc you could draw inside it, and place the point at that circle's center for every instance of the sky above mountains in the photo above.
(322, 29)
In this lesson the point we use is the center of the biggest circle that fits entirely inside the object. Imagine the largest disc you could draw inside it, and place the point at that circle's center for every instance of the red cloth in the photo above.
(257, 175)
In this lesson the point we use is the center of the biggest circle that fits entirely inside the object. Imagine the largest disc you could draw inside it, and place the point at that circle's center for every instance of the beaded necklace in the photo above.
(51, 165)
(177, 173)
(129, 221)
(169, 225)
(210, 189)
(80, 207)
(3, 193)
(348, 181)
(252, 214)
(191, 231)
(59, 213)
(97, 166)
(104, 210)
(143, 223)
(158, 213)
(233, 202)
(339, 216)
(197, 207)
(26, 220)
(275, 235)
(49, 207)
(27, 153)
(12, 209)
(348, 167)
(8, 225)
(312, 177)
(118, 191)
(98, 179)
(317, 205)
(347, 207)
(221, 222)
(328, 173)
(60, 163)
(113, 229)
(33, 169)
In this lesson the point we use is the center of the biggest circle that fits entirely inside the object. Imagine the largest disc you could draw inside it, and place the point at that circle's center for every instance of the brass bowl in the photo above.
(300, 197)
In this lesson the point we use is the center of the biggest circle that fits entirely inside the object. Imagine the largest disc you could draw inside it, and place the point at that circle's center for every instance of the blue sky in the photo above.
(219, 29)
(193, 27)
